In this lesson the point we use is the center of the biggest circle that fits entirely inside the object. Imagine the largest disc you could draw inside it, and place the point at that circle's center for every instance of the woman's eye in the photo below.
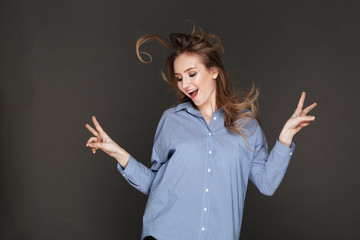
(191, 75)
(179, 79)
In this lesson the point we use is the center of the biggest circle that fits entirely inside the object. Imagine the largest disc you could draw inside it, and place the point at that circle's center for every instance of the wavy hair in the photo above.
(242, 105)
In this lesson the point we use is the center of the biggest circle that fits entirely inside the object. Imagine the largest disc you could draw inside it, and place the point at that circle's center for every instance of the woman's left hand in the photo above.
(296, 122)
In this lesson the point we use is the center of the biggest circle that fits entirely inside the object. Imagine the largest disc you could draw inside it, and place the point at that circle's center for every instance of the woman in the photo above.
(205, 149)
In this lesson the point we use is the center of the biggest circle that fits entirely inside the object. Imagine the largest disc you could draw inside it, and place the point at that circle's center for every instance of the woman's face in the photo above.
(195, 80)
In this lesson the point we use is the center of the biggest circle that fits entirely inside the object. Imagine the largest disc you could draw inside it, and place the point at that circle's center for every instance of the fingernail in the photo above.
(312, 117)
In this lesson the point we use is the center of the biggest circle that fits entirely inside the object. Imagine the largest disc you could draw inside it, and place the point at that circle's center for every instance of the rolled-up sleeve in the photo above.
(267, 169)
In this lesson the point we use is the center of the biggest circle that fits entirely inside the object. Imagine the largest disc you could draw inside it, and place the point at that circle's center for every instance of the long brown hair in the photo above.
(236, 105)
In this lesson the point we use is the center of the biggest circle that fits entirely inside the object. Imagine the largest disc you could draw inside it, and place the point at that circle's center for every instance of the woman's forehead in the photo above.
(185, 62)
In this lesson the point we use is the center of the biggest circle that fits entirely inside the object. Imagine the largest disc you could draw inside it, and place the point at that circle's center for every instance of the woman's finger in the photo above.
(92, 140)
(293, 123)
(97, 125)
(96, 145)
(306, 118)
(93, 131)
(305, 124)
(306, 110)
(301, 101)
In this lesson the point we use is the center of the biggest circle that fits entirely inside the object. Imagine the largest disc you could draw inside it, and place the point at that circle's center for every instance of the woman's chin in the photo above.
(197, 103)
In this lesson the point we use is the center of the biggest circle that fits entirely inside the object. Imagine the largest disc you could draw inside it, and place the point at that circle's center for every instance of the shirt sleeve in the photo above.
(267, 169)
(138, 175)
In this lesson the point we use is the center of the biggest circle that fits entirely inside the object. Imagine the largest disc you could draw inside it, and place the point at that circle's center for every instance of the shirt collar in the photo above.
(191, 109)
(183, 105)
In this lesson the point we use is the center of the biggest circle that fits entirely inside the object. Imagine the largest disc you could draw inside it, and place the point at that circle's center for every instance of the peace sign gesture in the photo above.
(104, 142)
(297, 121)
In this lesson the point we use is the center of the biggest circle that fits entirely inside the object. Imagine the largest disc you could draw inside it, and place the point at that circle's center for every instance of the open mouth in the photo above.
(193, 93)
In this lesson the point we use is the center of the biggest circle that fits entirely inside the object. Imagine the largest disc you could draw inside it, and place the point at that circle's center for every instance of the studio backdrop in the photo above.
(62, 62)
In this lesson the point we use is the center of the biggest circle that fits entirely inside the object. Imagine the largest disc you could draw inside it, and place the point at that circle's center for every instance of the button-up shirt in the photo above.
(199, 174)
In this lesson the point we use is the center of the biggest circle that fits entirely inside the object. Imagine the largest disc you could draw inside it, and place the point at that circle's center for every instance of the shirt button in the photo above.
(203, 229)
(206, 190)
(124, 174)
(209, 133)
(205, 209)
(209, 170)
(210, 151)
(214, 118)
(291, 153)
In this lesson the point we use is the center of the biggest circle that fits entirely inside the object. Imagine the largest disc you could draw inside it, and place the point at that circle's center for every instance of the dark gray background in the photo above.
(63, 61)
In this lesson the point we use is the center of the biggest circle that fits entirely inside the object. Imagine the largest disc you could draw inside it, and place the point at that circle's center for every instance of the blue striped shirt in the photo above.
(199, 172)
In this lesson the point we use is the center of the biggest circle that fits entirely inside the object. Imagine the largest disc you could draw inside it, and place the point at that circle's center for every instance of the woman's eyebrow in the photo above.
(187, 70)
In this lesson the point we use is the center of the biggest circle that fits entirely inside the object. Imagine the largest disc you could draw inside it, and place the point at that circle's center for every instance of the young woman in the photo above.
(205, 149)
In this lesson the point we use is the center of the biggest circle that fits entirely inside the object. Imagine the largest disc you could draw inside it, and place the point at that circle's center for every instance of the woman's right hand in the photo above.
(104, 142)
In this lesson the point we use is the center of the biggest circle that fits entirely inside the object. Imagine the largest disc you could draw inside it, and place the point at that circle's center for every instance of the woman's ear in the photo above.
(214, 72)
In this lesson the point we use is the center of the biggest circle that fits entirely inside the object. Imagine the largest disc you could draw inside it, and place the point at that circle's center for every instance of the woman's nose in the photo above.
(185, 83)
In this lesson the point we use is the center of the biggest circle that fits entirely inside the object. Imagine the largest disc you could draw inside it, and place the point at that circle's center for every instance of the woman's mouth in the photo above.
(193, 94)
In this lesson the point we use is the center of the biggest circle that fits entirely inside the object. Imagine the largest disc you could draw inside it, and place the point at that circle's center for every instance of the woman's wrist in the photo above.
(285, 138)
(122, 157)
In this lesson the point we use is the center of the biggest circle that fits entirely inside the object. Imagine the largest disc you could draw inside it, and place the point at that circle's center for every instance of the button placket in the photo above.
(208, 176)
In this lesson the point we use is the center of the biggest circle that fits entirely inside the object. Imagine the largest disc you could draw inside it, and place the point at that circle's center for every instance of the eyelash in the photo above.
(191, 75)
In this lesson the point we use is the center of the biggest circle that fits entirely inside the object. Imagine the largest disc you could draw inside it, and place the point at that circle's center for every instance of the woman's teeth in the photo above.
(192, 92)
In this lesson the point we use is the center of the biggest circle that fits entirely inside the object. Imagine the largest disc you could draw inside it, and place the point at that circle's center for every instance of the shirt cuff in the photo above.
(129, 167)
(284, 150)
